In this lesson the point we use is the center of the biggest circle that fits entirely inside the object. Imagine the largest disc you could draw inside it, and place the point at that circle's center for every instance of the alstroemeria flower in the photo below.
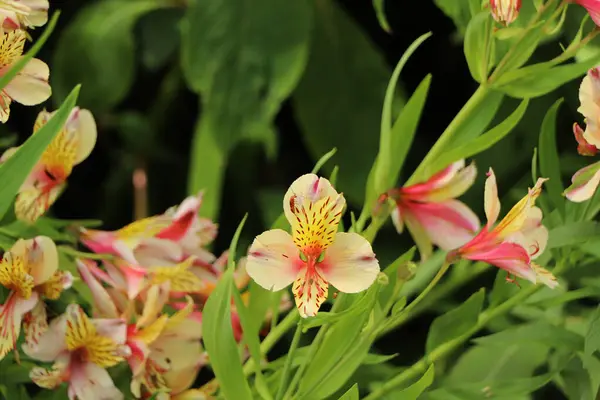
(16, 14)
(431, 212)
(30, 86)
(589, 98)
(81, 349)
(71, 146)
(165, 350)
(29, 270)
(592, 7)
(505, 11)
(168, 238)
(316, 254)
(515, 241)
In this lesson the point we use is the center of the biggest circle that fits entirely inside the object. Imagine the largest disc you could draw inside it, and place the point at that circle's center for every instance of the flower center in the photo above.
(14, 275)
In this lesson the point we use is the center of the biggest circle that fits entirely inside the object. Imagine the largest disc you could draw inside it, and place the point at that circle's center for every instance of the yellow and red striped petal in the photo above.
(11, 316)
(310, 291)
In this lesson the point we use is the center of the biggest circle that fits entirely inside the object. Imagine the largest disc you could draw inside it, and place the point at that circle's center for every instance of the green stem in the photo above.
(288, 362)
(444, 349)
(405, 313)
(273, 337)
(312, 350)
(446, 138)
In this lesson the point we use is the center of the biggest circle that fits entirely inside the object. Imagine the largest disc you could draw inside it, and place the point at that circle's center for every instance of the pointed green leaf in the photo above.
(455, 322)
(549, 159)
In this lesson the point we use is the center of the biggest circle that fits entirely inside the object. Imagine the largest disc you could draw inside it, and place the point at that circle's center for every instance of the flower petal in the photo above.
(310, 291)
(510, 257)
(397, 219)
(419, 235)
(310, 188)
(449, 224)
(516, 217)
(439, 180)
(584, 183)
(349, 264)
(50, 378)
(454, 187)
(11, 317)
(83, 123)
(273, 260)
(103, 304)
(35, 324)
(544, 276)
(50, 343)
(491, 201)
(43, 259)
(30, 86)
(89, 381)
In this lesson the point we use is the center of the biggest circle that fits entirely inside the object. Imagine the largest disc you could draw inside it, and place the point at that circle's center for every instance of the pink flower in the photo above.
(592, 7)
(170, 237)
(431, 213)
(81, 349)
(515, 241)
(315, 254)
(505, 11)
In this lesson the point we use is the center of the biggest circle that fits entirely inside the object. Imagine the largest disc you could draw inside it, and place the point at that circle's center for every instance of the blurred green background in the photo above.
(240, 98)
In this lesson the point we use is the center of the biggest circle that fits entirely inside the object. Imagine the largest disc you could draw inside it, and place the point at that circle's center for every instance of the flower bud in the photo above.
(505, 11)
(406, 271)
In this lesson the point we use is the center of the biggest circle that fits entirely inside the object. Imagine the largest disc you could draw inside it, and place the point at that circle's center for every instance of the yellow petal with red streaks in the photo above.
(11, 47)
(35, 324)
(516, 217)
(80, 329)
(49, 378)
(310, 291)
(179, 276)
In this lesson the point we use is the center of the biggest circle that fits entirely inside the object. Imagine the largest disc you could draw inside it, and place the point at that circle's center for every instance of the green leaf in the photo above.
(374, 359)
(159, 37)
(538, 332)
(379, 6)
(480, 143)
(386, 151)
(459, 11)
(538, 79)
(455, 322)
(243, 66)
(416, 389)
(323, 160)
(592, 338)
(402, 135)
(523, 49)
(351, 394)
(218, 333)
(242, 63)
(577, 384)
(20, 64)
(97, 50)
(15, 170)
(575, 233)
(549, 158)
(477, 45)
(347, 76)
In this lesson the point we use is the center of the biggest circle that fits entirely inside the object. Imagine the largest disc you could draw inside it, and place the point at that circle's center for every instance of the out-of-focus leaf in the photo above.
(379, 6)
(218, 334)
(374, 359)
(479, 144)
(477, 45)
(539, 332)
(573, 234)
(549, 159)
(97, 50)
(159, 37)
(351, 394)
(244, 66)
(15, 170)
(459, 11)
(577, 383)
(347, 77)
(455, 322)
(592, 338)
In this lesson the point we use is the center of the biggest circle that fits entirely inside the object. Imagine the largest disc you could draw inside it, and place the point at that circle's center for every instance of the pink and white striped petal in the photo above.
(584, 183)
